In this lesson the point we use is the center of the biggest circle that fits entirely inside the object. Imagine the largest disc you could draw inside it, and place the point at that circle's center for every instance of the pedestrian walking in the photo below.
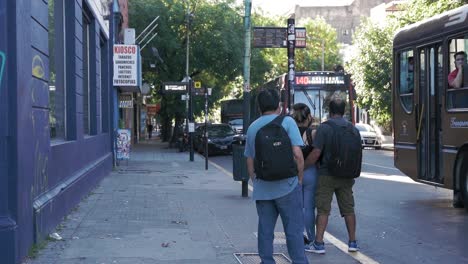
(338, 145)
(149, 127)
(303, 117)
(275, 166)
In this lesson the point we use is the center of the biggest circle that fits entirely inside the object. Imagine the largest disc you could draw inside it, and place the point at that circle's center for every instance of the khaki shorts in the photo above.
(343, 189)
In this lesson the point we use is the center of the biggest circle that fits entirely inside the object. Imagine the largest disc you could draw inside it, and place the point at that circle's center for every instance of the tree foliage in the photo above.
(318, 33)
(216, 49)
(371, 65)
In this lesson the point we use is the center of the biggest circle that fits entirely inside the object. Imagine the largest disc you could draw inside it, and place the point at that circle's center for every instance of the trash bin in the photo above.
(239, 162)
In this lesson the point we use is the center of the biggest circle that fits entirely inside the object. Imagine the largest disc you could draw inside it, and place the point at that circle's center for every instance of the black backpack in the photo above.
(346, 151)
(274, 158)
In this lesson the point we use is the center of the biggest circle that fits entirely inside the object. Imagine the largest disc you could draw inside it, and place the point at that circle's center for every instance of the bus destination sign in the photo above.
(322, 80)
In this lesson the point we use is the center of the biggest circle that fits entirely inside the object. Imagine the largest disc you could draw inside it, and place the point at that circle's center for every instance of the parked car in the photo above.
(237, 125)
(369, 137)
(220, 138)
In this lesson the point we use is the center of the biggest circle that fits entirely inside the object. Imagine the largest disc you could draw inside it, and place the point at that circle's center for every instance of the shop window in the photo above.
(86, 74)
(57, 66)
(457, 92)
(406, 80)
(104, 87)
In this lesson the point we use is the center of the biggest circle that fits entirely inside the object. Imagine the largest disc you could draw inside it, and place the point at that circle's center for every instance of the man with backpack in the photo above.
(338, 148)
(275, 166)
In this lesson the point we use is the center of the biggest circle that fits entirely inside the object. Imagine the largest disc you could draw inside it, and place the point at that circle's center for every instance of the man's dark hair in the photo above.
(268, 100)
(337, 106)
(459, 53)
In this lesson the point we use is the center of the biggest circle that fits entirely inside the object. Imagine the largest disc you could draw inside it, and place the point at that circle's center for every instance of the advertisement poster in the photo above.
(143, 121)
(124, 138)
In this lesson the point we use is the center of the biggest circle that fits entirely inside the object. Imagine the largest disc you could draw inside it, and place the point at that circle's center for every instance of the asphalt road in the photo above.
(399, 220)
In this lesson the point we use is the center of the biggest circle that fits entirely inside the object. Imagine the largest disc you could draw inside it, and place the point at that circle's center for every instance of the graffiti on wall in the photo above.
(124, 137)
(38, 67)
(2, 67)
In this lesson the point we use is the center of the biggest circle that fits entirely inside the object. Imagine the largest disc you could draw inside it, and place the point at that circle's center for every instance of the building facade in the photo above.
(345, 17)
(56, 107)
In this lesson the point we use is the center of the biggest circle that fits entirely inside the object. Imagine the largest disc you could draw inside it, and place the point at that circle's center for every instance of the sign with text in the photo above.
(125, 101)
(125, 65)
(306, 80)
(175, 87)
(153, 109)
(276, 37)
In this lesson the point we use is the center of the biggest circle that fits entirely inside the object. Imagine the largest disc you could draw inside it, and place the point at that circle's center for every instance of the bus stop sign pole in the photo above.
(291, 44)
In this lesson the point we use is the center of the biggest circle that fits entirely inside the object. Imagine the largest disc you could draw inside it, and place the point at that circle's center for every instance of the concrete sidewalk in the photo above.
(162, 208)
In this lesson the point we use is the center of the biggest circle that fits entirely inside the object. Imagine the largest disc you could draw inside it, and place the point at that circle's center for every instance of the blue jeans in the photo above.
(289, 208)
(309, 185)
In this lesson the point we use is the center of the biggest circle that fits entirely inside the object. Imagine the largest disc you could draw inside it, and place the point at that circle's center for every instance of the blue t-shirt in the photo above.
(269, 190)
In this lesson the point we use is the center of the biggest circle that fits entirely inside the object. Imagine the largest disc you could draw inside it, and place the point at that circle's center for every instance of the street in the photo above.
(399, 220)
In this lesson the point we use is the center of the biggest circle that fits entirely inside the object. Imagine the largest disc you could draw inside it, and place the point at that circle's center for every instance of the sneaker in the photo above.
(353, 246)
(306, 241)
(316, 247)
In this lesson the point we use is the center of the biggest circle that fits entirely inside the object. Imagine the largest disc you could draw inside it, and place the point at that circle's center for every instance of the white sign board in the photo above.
(125, 65)
(191, 127)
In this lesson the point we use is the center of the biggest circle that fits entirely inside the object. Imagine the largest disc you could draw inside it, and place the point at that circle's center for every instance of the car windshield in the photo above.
(220, 131)
(364, 128)
(236, 122)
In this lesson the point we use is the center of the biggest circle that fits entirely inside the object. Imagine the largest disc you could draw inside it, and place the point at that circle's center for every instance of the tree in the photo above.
(216, 48)
(371, 68)
(310, 58)
(371, 65)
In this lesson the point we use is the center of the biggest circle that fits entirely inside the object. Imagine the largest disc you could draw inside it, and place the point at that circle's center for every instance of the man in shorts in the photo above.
(328, 185)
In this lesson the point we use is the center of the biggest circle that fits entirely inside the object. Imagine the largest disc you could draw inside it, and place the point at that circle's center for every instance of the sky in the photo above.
(282, 7)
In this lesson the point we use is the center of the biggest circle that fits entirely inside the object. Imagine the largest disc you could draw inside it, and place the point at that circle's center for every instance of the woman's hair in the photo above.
(300, 112)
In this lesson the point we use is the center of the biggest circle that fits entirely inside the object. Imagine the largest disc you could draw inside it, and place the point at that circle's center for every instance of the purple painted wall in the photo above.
(42, 180)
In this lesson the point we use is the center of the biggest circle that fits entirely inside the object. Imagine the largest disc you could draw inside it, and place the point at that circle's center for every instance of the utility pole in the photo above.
(291, 68)
(188, 98)
(246, 73)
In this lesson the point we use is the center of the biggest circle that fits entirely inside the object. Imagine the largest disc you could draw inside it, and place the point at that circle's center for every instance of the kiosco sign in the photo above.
(125, 65)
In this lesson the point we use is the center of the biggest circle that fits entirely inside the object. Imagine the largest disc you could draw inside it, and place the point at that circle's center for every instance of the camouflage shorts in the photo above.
(341, 187)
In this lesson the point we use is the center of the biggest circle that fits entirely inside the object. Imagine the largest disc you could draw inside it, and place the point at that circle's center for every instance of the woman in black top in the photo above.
(302, 116)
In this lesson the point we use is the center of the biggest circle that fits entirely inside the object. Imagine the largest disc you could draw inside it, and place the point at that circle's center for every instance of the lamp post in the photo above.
(188, 98)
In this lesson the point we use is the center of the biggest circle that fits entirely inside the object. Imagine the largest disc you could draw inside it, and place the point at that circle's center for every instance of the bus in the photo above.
(430, 116)
(315, 89)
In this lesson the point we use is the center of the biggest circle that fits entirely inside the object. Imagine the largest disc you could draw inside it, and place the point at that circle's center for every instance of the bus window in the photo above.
(406, 85)
(457, 92)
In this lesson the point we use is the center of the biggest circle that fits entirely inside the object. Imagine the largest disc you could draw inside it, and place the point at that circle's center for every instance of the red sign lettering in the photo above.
(124, 49)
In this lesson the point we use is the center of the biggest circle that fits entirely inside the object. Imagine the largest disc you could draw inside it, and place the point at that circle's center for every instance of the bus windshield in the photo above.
(318, 90)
